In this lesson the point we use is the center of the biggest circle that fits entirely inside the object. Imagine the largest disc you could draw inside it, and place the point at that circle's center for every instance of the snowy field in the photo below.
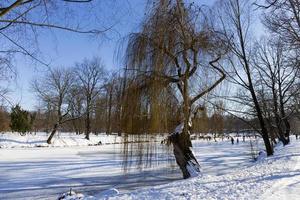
(32, 169)
(228, 171)
(272, 178)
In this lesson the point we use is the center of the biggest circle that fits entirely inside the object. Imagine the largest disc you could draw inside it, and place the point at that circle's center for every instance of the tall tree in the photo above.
(76, 102)
(234, 22)
(90, 74)
(53, 89)
(279, 76)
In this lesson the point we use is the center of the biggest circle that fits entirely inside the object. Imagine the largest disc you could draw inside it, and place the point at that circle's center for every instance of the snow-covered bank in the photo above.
(13, 140)
(276, 177)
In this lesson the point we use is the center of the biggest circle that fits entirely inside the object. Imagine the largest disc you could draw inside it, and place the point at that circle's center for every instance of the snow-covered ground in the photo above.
(29, 170)
(228, 171)
(276, 177)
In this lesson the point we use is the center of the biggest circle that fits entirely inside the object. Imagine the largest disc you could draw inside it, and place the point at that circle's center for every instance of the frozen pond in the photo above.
(43, 173)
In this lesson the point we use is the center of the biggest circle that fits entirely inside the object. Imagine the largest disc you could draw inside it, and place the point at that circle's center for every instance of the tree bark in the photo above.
(243, 57)
(264, 131)
(88, 128)
(108, 125)
(278, 121)
(59, 120)
(181, 139)
(284, 117)
(49, 140)
(87, 120)
(183, 154)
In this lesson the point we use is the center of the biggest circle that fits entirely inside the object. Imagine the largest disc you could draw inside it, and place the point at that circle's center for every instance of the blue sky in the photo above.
(64, 48)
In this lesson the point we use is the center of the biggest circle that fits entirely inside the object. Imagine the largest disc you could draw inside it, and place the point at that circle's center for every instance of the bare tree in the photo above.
(76, 104)
(23, 21)
(109, 91)
(279, 76)
(90, 75)
(283, 18)
(53, 89)
(113, 102)
(235, 21)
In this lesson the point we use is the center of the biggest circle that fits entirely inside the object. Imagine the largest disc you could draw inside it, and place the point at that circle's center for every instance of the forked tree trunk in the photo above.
(57, 124)
(181, 139)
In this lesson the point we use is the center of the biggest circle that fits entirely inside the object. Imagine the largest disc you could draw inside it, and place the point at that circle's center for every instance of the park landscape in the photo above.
(154, 99)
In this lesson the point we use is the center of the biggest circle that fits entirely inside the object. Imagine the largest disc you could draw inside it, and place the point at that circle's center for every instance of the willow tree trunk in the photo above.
(182, 142)
(184, 156)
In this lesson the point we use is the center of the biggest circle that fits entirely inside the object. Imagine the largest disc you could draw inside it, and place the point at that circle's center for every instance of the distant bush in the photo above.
(21, 120)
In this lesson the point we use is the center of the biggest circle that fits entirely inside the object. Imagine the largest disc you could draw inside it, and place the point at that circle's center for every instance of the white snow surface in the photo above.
(95, 172)
(275, 177)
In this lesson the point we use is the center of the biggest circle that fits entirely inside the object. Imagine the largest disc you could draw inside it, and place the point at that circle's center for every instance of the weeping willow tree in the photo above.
(175, 43)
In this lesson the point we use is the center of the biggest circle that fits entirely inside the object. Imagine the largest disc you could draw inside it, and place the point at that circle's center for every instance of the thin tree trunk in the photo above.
(59, 120)
(277, 118)
(287, 130)
(108, 126)
(88, 128)
(49, 140)
(87, 120)
(283, 116)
